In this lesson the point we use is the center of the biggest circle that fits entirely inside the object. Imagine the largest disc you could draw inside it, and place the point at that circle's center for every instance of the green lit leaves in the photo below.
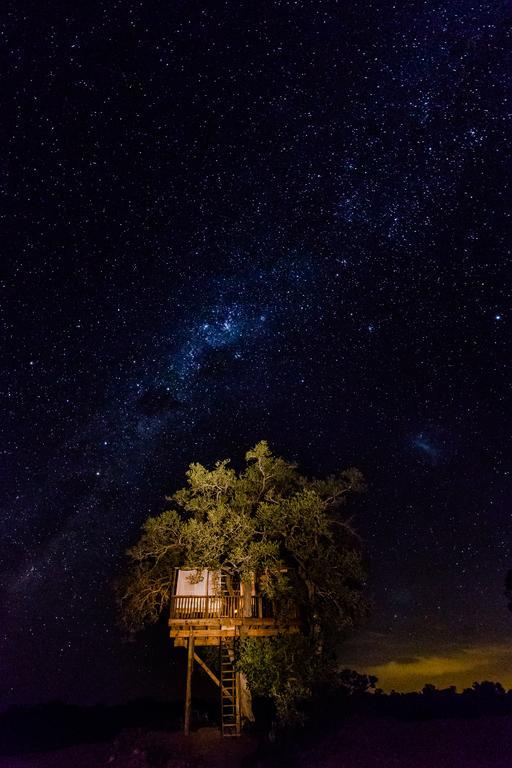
(270, 524)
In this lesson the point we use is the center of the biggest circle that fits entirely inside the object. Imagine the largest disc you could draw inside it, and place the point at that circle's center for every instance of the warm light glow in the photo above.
(461, 668)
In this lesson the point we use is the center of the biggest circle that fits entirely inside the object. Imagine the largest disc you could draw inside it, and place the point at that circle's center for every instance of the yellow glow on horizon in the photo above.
(460, 668)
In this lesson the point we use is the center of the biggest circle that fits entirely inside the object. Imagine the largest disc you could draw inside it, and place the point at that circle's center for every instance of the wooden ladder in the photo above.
(230, 710)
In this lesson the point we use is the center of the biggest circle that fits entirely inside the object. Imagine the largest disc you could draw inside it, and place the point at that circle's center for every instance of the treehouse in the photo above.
(212, 608)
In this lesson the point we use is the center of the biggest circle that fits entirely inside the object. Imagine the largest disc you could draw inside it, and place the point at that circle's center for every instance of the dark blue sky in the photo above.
(228, 222)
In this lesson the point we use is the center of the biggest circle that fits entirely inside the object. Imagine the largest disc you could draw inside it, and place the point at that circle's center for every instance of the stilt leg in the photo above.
(188, 694)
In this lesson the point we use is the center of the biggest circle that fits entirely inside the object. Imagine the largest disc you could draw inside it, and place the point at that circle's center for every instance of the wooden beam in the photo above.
(188, 694)
(227, 622)
(269, 631)
(231, 623)
(199, 642)
(247, 632)
(198, 621)
(212, 675)
(207, 669)
(203, 633)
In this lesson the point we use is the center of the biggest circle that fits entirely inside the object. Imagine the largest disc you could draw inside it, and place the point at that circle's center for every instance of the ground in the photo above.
(361, 743)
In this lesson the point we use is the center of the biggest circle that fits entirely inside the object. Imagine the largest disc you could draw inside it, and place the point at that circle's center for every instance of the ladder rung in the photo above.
(228, 679)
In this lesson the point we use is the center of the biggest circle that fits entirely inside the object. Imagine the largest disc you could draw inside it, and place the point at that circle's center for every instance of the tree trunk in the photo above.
(243, 687)
(245, 698)
(247, 590)
(315, 625)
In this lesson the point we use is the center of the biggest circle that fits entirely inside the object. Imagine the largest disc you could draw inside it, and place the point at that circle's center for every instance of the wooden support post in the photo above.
(188, 694)
(211, 675)
(237, 704)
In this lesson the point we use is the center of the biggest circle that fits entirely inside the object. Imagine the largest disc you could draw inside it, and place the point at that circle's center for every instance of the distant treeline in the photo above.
(360, 695)
(55, 724)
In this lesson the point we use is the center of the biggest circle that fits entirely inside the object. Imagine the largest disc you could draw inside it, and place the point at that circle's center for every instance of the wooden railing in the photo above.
(224, 607)
(262, 607)
(192, 607)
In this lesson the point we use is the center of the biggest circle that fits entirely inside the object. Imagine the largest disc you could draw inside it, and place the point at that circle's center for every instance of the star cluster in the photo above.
(284, 221)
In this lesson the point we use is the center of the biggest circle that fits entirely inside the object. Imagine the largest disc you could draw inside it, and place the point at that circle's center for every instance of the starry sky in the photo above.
(232, 221)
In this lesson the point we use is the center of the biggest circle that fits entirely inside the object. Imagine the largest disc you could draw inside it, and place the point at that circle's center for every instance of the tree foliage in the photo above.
(271, 521)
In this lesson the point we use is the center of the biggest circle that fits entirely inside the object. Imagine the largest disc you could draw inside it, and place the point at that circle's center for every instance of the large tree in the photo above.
(271, 521)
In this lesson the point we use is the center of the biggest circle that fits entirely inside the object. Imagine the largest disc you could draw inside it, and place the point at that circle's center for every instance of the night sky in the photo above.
(231, 221)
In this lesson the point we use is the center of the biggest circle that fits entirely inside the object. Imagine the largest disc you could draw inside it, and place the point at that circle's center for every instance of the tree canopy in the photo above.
(268, 520)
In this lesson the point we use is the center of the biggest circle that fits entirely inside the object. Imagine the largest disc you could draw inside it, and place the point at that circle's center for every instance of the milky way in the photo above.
(281, 221)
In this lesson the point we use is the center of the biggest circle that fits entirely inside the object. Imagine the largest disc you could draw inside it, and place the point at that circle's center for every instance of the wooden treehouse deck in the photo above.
(209, 618)
(199, 620)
